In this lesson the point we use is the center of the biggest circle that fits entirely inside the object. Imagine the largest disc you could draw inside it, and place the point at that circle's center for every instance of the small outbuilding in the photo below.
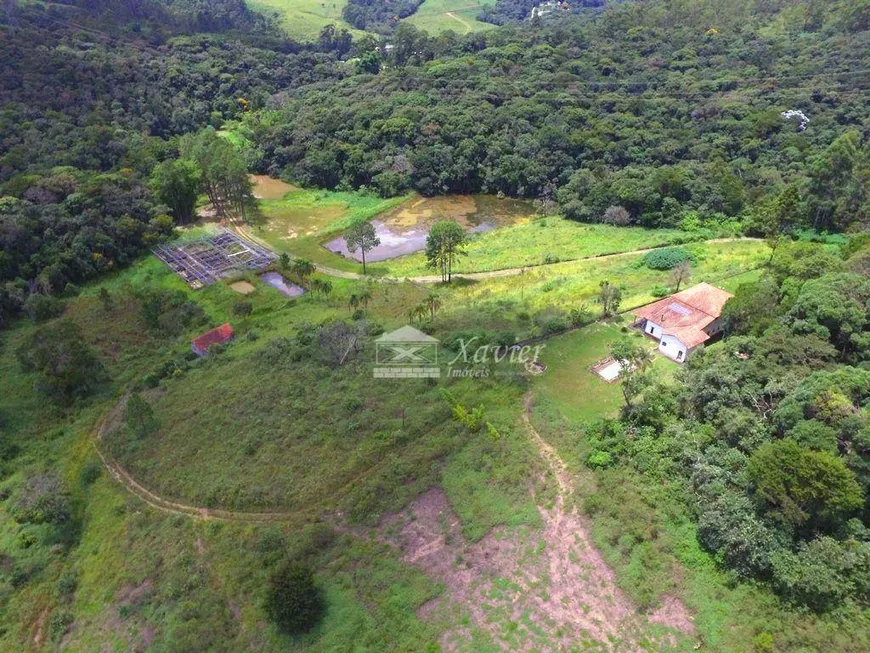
(682, 322)
(218, 336)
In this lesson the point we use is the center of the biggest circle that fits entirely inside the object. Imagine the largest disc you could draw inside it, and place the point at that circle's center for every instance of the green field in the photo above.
(302, 221)
(303, 19)
(459, 16)
(534, 242)
(571, 284)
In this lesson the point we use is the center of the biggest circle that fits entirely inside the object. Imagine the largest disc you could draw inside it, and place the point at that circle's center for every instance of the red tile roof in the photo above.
(686, 314)
(222, 334)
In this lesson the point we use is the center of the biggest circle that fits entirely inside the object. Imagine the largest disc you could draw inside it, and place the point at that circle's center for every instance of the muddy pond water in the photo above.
(279, 283)
(404, 229)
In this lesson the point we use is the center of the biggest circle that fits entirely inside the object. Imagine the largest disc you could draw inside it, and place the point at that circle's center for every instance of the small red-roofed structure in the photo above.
(218, 336)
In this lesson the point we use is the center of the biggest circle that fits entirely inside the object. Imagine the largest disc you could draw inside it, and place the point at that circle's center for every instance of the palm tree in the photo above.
(365, 297)
(418, 312)
(321, 286)
(433, 303)
(353, 302)
(303, 269)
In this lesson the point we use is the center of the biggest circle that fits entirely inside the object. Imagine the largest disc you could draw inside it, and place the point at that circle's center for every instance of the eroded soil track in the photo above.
(527, 589)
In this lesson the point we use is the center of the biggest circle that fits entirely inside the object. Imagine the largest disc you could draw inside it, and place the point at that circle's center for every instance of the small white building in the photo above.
(685, 320)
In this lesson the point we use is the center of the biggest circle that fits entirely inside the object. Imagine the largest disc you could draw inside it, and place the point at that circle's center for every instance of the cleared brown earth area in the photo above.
(527, 590)
(267, 188)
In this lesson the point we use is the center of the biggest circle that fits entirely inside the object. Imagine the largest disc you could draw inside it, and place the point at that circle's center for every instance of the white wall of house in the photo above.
(671, 347)
(653, 329)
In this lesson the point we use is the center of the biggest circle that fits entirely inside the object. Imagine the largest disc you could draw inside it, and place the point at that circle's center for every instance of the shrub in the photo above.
(616, 215)
(823, 572)
(59, 624)
(581, 315)
(40, 308)
(505, 338)
(293, 601)
(139, 417)
(666, 259)
(763, 643)
(41, 500)
(169, 311)
(90, 472)
(66, 366)
(66, 584)
(243, 308)
(599, 460)
(659, 291)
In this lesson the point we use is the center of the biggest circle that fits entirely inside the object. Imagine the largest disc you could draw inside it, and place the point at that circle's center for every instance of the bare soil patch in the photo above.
(522, 589)
(243, 287)
(267, 188)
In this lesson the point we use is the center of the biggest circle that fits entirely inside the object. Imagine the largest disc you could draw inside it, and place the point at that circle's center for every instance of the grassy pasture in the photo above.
(459, 16)
(301, 221)
(533, 242)
(138, 574)
(303, 19)
(572, 387)
(243, 434)
(568, 285)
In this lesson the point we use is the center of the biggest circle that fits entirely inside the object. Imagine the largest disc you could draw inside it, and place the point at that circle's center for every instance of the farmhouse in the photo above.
(685, 320)
(218, 336)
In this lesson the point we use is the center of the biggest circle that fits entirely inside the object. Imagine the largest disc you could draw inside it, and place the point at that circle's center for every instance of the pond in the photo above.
(281, 284)
(404, 229)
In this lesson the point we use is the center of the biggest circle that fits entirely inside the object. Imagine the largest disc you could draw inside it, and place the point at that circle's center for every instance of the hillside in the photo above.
(323, 339)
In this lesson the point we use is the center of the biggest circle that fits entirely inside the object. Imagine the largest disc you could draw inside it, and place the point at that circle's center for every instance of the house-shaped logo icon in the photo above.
(406, 353)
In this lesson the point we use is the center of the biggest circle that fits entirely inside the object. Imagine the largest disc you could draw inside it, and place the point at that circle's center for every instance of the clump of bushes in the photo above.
(666, 259)
(40, 308)
(293, 601)
(169, 311)
(659, 290)
(552, 321)
(243, 308)
(65, 366)
(472, 418)
(42, 499)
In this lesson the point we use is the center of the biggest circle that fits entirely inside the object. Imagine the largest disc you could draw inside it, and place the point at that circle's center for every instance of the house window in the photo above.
(664, 344)
(680, 355)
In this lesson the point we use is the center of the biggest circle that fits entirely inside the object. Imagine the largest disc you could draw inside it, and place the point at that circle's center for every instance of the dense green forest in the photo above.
(88, 114)
(588, 116)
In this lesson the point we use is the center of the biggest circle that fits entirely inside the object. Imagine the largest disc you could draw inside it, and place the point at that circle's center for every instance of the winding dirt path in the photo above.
(132, 486)
(467, 27)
